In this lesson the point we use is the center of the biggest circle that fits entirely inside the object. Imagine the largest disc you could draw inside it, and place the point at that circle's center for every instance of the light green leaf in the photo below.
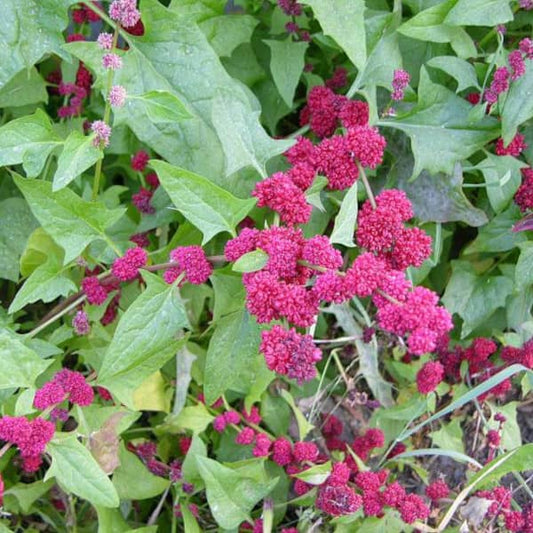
(111, 521)
(344, 21)
(511, 436)
(233, 361)
(226, 33)
(20, 365)
(251, 262)
(28, 141)
(229, 292)
(524, 266)
(346, 219)
(77, 156)
(304, 427)
(145, 339)
(474, 298)
(16, 225)
(133, 481)
(431, 25)
(190, 466)
(286, 64)
(29, 29)
(27, 87)
(384, 524)
(210, 208)
(231, 494)
(72, 222)
(438, 128)
(316, 475)
(38, 248)
(47, 282)
(25, 495)
(244, 141)
(518, 106)
(77, 471)
(449, 436)
(190, 523)
(463, 72)
(162, 106)
(479, 13)
(503, 177)
(193, 418)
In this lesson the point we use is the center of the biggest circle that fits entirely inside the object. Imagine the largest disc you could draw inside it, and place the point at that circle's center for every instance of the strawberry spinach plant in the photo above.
(266, 265)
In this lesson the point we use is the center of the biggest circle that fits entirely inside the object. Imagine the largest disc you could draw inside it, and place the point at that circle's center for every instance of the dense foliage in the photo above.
(266, 265)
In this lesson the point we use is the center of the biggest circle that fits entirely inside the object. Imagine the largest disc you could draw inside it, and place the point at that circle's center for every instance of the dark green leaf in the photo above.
(474, 298)
(463, 72)
(76, 471)
(210, 208)
(133, 481)
(229, 293)
(439, 132)
(16, 225)
(20, 365)
(47, 282)
(286, 65)
(145, 339)
(251, 262)
(29, 29)
(27, 87)
(28, 141)
(226, 33)
(524, 266)
(346, 219)
(518, 105)
(430, 25)
(233, 360)
(333, 19)
(232, 494)
(72, 222)
(77, 156)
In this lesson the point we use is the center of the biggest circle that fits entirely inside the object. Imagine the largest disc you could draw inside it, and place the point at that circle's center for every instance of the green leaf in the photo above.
(524, 267)
(190, 465)
(47, 282)
(497, 235)
(518, 106)
(503, 177)
(251, 262)
(432, 452)
(346, 219)
(439, 132)
(232, 494)
(28, 141)
(145, 339)
(431, 25)
(385, 524)
(518, 460)
(286, 64)
(26, 494)
(162, 106)
(459, 69)
(72, 222)
(27, 87)
(474, 298)
(449, 436)
(233, 361)
(210, 208)
(111, 520)
(16, 225)
(511, 436)
(479, 13)
(333, 18)
(133, 481)
(38, 248)
(21, 366)
(77, 471)
(316, 475)
(229, 293)
(304, 427)
(244, 141)
(30, 29)
(77, 156)
(226, 33)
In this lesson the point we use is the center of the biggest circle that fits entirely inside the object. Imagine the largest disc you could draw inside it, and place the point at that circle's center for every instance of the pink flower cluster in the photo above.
(65, 384)
(95, 291)
(84, 14)
(75, 106)
(127, 267)
(80, 323)
(524, 195)
(290, 7)
(125, 12)
(514, 148)
(30, 437)
(400, 81)
(192, 261)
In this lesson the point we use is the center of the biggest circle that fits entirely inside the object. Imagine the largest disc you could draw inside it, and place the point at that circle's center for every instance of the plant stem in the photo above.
(157, 511)
(368, 189)
(57, 315)
(107, 115)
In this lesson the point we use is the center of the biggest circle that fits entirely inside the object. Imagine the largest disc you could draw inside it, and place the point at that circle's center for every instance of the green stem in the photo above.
(107, 115)
(54, 317)
(368, 189)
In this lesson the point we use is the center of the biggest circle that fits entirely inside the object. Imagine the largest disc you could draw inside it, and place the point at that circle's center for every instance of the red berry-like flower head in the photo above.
(429, 376)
